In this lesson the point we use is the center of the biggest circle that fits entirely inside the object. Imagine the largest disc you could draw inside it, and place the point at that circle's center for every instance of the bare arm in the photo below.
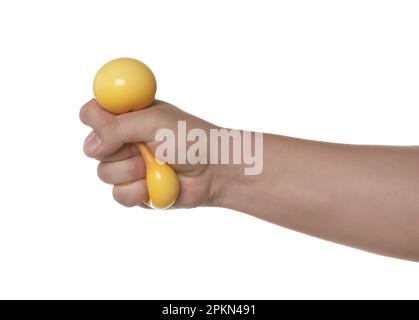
(362, 196)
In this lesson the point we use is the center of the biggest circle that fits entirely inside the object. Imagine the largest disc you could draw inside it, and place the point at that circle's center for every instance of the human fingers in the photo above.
(93, 115)
(138, 126)
(131, 194)
(118, 172)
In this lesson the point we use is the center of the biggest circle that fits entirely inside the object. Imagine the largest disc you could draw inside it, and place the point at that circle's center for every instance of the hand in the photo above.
(362, 196)
(111, 140)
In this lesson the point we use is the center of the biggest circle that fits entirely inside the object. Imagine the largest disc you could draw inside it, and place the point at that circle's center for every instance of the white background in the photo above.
(343, 71)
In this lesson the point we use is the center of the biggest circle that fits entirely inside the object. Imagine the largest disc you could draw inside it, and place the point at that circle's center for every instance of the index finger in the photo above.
(94, 116)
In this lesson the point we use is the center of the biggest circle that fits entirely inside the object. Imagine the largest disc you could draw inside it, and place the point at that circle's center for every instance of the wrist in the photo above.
(236, 183)
(230, 187)
(220, 185)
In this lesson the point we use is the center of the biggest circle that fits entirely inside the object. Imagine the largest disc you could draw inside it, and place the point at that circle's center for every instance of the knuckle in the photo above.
(83, 114)
(159, 116)
(87, 113)
(157, 113)
(122, 197)
(102, 172)
(134, 166)
(111, 130)
(158, 119)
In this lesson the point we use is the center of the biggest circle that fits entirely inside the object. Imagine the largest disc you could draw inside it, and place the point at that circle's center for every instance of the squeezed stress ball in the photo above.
(124, 85)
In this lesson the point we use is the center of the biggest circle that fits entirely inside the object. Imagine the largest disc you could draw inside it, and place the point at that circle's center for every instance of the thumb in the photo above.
(138, 126)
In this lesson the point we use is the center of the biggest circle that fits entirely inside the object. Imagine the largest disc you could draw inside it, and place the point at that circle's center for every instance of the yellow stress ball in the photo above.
(123, 85)
(162, 181)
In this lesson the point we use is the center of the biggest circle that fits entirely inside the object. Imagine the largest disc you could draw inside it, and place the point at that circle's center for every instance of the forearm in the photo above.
(362, 196)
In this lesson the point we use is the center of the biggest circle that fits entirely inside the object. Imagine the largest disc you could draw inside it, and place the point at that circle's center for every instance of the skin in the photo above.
(361, 196)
